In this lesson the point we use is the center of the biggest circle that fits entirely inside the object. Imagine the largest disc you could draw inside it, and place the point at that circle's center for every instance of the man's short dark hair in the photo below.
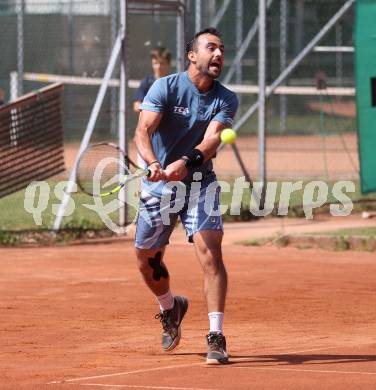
(160, 53)
(191, 45)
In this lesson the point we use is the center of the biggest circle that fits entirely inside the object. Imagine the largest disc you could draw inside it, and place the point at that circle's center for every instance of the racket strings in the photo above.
(101, 169)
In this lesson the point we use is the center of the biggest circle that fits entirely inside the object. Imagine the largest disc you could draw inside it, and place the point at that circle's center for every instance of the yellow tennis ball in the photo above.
(228, 136)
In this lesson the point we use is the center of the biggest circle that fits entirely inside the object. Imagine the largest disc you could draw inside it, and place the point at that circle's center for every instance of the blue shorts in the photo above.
(197, 205)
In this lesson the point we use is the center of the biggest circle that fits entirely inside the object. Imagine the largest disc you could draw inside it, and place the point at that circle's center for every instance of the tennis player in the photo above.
(160, 63)
(177, 136)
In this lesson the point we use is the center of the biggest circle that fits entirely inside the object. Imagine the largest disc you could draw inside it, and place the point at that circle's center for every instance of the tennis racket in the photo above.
(104, 169)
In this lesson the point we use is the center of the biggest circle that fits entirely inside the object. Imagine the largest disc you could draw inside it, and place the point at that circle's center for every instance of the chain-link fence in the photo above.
(311, 118)
(311, 126)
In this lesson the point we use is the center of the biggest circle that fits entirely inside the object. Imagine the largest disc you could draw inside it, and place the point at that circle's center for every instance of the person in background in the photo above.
(160, 62)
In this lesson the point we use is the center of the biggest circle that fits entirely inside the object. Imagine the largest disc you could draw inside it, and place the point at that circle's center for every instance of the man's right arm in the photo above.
(147, 124)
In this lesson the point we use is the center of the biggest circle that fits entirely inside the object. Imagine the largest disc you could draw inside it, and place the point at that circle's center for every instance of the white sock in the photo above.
(216, 321)
(166, 301)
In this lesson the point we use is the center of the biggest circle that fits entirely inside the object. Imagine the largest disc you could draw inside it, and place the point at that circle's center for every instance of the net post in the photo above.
(261, 97)
(20, 8)
(180, 39)
(123, 142)
(114, 32)
(283, 62)
(13, 86)
(239, 9)
(198, 12)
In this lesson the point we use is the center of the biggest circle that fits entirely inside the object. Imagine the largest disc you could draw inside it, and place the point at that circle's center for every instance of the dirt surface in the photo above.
(80, 317)
(344, 109)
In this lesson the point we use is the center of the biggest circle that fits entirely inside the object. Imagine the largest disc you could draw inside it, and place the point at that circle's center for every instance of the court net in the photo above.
(31, 139)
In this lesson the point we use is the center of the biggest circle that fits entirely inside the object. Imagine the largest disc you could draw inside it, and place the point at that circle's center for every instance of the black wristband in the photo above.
(194, 159)
(153, 162)
(186, 160)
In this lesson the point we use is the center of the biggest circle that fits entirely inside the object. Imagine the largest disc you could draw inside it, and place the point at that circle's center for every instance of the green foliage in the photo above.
(253, 242)
(363, 231)
(81, 222)
(341, 244)
(281, 241)
(7, 239)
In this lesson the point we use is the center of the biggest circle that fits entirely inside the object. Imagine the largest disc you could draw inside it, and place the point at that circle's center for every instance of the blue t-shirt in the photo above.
(143, 89)
(186, 116)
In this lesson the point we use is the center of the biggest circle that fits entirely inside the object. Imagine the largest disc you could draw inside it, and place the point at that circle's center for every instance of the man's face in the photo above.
(160, 67)
(208, 55)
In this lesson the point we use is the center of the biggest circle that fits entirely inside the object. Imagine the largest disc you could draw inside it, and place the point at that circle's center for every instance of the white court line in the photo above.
(184, 365)
(143, 387)
(128, 372)
(307, 370)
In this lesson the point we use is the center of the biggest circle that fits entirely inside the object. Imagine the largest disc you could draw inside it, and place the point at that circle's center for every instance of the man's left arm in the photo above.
(212, 140)
(207, 148)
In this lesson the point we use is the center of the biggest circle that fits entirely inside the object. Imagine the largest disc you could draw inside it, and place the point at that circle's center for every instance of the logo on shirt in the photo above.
(181, 110)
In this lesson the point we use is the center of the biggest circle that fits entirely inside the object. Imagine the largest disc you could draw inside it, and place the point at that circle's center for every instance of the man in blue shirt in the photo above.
(160, 63)
(178, 134)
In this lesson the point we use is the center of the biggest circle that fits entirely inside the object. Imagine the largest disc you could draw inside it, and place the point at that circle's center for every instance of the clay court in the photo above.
(80, 317)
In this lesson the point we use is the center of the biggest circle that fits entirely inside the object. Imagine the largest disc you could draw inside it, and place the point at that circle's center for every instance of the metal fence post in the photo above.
(20, 9)
(261, 98)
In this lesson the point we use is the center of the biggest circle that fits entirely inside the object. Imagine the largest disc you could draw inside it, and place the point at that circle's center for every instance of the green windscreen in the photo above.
(365, 61)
